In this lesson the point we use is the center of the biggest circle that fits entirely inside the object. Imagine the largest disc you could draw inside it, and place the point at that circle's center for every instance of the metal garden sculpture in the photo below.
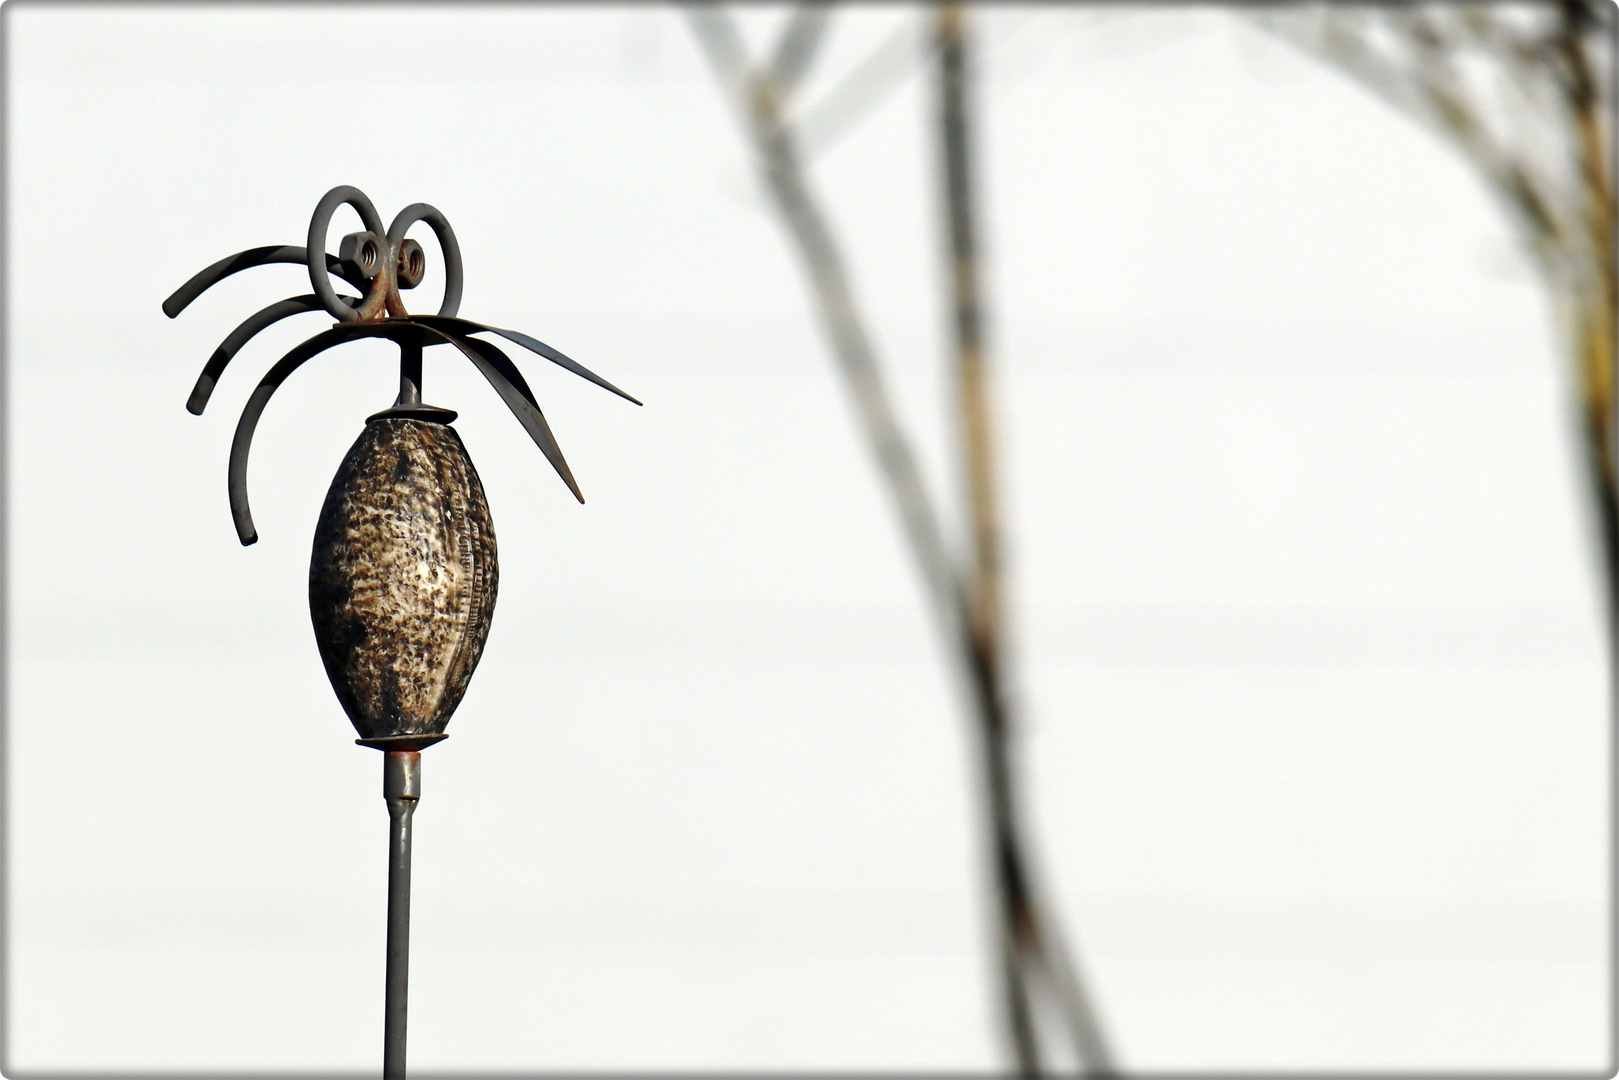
(403, 576)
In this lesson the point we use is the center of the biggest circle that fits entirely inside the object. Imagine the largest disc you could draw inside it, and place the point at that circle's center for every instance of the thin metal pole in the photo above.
(410, 372)
(401, 787)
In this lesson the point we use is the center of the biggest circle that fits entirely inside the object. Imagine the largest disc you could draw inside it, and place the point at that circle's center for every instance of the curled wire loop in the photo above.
(409, 216)
(315, 254)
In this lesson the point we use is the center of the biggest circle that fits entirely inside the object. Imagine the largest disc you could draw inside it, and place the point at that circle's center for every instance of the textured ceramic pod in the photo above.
(403, 577)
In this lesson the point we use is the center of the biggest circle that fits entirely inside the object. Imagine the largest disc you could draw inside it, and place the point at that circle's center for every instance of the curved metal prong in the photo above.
(465, 327)
(508, 382)
(242, 442)
(315, 246)
(295, 305)
(244, 260)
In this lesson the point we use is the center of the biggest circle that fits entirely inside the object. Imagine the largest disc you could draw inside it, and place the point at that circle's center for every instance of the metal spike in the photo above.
(467, 326)
(508, 382)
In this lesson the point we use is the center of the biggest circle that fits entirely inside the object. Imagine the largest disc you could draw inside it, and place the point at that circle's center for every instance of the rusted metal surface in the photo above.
(403, 577)
(465, 328)
(495, 366)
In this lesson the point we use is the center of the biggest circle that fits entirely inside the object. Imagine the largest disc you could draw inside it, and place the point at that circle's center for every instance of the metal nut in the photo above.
(364, 251)
(412, 264)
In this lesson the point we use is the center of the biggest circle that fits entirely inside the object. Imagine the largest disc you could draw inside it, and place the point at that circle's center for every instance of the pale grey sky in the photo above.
(1304, 610)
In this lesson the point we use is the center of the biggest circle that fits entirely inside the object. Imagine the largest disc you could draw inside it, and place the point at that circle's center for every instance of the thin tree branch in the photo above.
(1018, 939)
(1564, 208)
(1056, 964)
(1569, 222)
(968, 613)
(1420, 95)
(887, 67)
(1599, 287)
(977, 439)
(884, 70)
(1036, 950)
(840, 315)
(795, 51)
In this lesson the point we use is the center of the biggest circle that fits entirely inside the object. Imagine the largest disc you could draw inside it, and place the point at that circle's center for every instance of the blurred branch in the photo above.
(883, 70)
(1343, 36)
(967, 322)
(796, 49)
(1032, 954)
(722, 44)
(759, 107)
(1516, 88)
(1032, 957)
(871, 82)
(1020, 927)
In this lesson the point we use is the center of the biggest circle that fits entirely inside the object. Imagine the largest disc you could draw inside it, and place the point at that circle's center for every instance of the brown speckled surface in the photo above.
(403, 577)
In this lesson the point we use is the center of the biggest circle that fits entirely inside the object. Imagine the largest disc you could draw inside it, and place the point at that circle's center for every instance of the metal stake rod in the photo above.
(401, 787)
(410, 372)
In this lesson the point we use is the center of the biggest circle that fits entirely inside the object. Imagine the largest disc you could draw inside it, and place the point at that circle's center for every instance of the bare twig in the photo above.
(1560, 197)
(967, 319)
(1030, 947)
(1019, 925)
(795, 51)
(1408, 86)
(966, 602)
(867, 85)
(840, 316)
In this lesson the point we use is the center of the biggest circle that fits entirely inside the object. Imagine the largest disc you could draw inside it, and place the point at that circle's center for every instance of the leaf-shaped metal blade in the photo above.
(464, 327)
(240, 336)
(508, 382)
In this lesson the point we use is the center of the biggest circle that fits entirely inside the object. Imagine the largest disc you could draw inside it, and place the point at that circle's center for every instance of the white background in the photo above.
(1304, 602)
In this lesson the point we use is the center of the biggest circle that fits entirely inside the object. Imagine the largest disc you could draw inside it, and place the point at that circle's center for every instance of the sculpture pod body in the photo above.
(403, 577)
